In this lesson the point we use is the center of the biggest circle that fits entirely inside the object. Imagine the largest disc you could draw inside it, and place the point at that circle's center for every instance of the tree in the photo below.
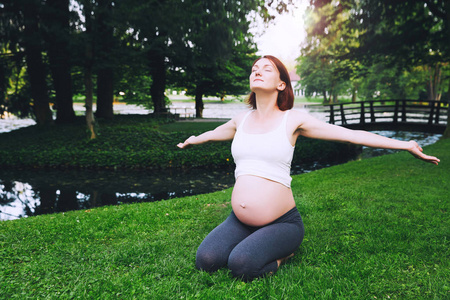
(223, 48)
(219, 78)
(28, 12)
(326, 67)
(105, 44)
(221, 54)
(400, 36)
(175, 38)
(207, 38)
(234, 80)
(315, 75)
(57, 33)
(154, 26)
(413, 33)
(88, 71)
(39, 31)
(10, 60)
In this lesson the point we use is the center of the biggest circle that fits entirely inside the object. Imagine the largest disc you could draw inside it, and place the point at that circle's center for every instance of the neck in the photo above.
(266, 103)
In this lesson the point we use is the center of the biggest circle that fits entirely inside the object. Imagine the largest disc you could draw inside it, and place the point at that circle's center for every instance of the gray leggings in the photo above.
(250, 252)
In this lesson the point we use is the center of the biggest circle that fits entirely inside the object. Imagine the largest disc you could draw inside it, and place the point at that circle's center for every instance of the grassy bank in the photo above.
(132, 142)
(375, 229)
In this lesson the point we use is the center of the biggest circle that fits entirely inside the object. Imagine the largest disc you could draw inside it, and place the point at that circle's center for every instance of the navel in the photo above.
(242, 205)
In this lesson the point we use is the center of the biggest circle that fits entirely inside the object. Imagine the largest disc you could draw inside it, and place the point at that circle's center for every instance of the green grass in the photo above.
(126, 142)
(189, 126)
(132, 142)
(375, 229)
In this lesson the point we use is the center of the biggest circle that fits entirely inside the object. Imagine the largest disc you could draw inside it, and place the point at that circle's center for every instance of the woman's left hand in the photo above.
(417, 152)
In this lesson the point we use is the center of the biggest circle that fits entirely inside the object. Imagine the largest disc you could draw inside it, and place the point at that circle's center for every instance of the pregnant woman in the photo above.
(265, 228)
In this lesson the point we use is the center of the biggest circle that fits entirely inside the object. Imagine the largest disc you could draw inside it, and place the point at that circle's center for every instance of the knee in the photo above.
(207, 261)
(241, 267)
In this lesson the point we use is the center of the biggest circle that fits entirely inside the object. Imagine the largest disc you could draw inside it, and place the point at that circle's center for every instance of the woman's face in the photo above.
(265, 76)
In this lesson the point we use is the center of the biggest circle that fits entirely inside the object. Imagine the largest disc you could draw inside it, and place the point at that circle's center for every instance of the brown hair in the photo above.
(285, 98)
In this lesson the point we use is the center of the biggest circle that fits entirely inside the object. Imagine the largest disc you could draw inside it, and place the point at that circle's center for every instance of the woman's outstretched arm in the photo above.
(314, 128)
(223, 132)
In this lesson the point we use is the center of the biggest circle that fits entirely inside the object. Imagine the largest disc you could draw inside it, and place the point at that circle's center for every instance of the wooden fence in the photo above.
(427, 116)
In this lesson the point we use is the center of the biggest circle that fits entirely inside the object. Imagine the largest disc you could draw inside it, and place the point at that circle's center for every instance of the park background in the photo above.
(378, 227)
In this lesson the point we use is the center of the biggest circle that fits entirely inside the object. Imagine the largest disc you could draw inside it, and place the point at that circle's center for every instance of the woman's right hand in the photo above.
(224, 132)
(187, 143)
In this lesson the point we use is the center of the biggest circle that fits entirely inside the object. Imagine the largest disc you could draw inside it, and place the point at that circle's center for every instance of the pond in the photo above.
(26, 193)
(29, 193)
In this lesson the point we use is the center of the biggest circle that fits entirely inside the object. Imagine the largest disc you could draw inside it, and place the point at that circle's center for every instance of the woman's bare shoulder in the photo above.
(298, 112)
(302, 119)
(237, 119)
(298, 116)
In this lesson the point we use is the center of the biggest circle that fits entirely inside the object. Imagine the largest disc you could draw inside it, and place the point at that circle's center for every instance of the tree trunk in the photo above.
(158, 73)
(430, 88)
(354, 94)
(35, 66)
(57, 20)
(333, 93)
(325, 100)
(434, 82)
(199, 102)
(335, 98)
(437, 82)
(105, 75)
(105, 94)
(90, 120)
(89, 61)
(3, 88)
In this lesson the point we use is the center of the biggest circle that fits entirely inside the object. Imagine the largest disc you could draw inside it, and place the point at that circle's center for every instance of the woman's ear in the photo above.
(281, 86)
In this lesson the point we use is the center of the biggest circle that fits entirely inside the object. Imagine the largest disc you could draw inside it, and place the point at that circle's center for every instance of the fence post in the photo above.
(404, 111)
(372, 112)
(331, 114)
(438, 110)
(396, 112)
(430, 117)
(343, 119)
(362, 119)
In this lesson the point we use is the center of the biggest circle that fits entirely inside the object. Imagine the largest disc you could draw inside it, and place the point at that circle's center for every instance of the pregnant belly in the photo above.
(257, 201)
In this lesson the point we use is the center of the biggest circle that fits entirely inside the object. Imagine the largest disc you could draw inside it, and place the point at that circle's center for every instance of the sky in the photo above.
(282, 37)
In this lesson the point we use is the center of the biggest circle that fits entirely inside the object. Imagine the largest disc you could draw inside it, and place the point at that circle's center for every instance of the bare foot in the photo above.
(283, 260)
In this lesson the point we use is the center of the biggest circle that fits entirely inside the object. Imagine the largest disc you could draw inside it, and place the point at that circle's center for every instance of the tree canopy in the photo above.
(377, 49)
(356, 39)
(53, 50)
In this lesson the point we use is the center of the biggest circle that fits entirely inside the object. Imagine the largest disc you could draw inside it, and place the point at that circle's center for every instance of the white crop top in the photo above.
(268, 155)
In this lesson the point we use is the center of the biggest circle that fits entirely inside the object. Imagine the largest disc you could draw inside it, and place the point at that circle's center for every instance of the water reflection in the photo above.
(30, 193)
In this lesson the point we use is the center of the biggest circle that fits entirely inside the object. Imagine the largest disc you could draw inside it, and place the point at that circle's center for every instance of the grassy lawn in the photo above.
(132, 142)
(127, 142)
(375, 229)
(189, 126)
